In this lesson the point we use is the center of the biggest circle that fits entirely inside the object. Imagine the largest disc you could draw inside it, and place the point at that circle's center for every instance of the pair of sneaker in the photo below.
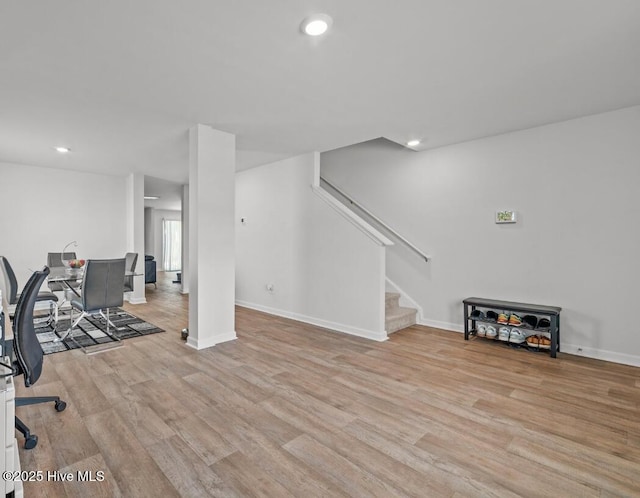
(512, 335)
(517, 336)
(504, 333)
(512, 319)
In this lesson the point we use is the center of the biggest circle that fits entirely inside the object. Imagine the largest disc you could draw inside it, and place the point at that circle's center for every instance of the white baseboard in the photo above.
(211, 341)
(452, 327)
(137, 300)
(596, 354)
(338, 327)
(600, 354)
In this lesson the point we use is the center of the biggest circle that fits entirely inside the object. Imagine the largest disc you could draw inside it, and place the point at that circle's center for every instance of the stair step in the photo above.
(391, 300)
(399, 318)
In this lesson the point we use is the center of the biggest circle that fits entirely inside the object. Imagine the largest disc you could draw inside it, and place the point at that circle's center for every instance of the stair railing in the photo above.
(402, 239)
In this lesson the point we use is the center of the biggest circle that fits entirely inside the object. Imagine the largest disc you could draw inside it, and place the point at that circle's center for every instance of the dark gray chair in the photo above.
(101, 289)
(54, 260)
(10, 291)
(131, 258)
(150, 270)
(28, 353)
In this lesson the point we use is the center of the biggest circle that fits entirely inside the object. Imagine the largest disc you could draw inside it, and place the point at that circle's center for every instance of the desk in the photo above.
(66, 276)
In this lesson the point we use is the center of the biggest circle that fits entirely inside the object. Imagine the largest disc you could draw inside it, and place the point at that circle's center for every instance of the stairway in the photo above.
(397, 317)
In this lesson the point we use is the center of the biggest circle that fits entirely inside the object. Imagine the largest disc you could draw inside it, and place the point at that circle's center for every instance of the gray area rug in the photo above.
(90, 331)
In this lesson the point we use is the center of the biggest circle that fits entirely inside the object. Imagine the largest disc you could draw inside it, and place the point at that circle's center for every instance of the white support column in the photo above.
(135, 233)
(185, 240)
(211, 237)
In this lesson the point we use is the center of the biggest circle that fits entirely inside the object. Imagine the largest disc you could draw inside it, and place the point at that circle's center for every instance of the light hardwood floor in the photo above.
(290, 409)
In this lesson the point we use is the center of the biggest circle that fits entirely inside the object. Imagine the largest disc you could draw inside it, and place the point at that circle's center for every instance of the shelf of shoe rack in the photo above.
(552, 312)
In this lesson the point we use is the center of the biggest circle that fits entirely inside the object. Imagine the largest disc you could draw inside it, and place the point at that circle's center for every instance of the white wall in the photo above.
(149, 231)
(323, 269)
(136, 234)
(576, 244)
(42, 209)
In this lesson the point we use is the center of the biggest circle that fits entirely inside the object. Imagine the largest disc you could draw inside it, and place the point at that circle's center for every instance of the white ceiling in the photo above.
(121, 82)
(169, 193)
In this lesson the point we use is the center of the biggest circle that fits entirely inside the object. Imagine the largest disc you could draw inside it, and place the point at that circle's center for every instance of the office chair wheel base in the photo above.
(31, 442)
(60, 406)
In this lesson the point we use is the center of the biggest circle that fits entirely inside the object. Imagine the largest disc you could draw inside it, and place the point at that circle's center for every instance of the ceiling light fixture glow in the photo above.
(151, 197)
(62, 150)
(316, 24)
(413, 143)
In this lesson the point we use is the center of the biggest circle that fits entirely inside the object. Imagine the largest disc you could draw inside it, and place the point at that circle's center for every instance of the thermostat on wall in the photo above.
(506, 217)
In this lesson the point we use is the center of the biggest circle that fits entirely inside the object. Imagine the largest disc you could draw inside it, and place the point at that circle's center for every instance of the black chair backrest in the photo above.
(10, 281)
(131, 260)
(55, 258)
(102, 284)
(26, 346)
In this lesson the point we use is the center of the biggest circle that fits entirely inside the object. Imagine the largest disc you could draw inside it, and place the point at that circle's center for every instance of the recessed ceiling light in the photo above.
(62, 150)
(413, 143)
(316, 24)
(151, 197)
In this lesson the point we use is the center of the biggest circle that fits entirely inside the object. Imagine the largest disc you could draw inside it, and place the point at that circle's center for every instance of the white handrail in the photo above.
(378, 220)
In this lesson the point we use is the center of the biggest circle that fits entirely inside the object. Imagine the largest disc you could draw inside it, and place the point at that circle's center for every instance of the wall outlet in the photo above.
(270, 288)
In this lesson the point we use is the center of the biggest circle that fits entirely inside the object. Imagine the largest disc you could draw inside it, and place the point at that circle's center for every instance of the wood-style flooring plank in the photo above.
(340, 471)
(248, 480)
(192, 477)
(135, 471)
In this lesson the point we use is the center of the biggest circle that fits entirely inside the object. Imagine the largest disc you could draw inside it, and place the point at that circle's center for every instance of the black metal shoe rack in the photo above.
(552, 312)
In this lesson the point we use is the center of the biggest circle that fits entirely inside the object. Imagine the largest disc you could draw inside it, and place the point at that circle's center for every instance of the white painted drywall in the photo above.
(42, 209)
(212, 166)
(135, 234)
(185, 240)
(576, 245)
(323, 269)
(149, 231)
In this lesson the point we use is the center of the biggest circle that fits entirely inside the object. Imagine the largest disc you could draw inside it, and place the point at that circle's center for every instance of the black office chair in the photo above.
(12, 294)
(28, 352)
(131, 258)
(101, 289)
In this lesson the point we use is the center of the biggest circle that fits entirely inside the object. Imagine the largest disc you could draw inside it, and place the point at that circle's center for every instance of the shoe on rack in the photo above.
(517, 336)
(515, 320)
(545, 342)
(530, 321)
(476, 315)
(491, 332)
(503, 334)
(503, 318)
(544, 324)
(492, 316)
(533, 340)
(481, 330)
